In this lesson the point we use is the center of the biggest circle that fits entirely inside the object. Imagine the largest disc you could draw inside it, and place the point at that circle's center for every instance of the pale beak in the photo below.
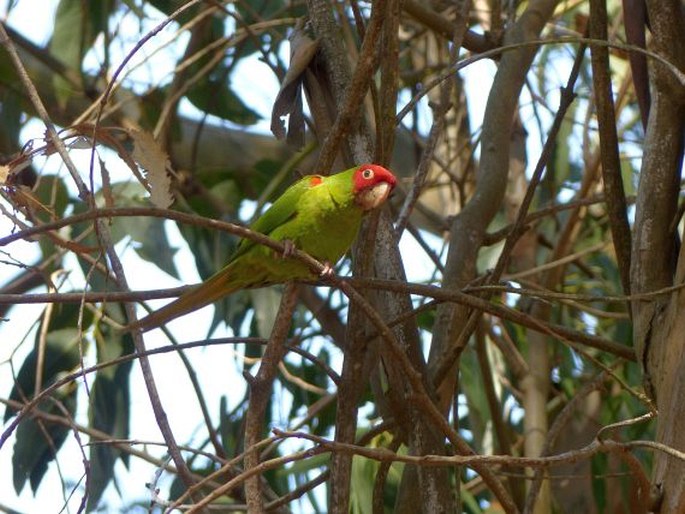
(372, 197)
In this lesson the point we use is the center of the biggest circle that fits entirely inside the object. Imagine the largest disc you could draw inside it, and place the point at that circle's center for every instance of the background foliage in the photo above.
(489, 312)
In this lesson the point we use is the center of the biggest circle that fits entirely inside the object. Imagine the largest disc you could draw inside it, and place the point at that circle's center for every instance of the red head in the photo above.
(372, 184)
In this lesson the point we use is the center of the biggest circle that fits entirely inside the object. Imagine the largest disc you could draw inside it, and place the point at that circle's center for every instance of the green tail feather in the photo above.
(216, 287)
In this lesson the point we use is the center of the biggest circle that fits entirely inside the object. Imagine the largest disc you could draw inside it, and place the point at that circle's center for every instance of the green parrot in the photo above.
(319, 215)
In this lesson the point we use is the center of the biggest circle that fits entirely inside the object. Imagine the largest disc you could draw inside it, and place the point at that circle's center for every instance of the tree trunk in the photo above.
(659, 323)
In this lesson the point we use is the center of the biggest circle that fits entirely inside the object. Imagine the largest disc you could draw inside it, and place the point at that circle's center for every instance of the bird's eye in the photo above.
(367, 174)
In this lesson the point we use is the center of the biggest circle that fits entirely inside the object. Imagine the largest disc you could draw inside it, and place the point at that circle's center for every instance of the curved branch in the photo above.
(469, 226)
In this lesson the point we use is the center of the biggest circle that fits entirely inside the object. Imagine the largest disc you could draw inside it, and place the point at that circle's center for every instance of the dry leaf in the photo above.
(289, 98)
(106, 184)
(150, 156)
(24, 198)
(9, 172)
(4, 173)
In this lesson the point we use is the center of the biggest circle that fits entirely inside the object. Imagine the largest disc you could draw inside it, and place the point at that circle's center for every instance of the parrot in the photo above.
(319, 215)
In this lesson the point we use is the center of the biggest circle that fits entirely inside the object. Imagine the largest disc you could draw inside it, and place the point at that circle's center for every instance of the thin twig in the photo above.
(439, 113)
(571, 456)
(451, 353)
(150, 383)
(355, 91)
(560, 423)
(677, 74)
(479, 304)
(608, 144)
(24, 409)
(420, 396)
(247, 474)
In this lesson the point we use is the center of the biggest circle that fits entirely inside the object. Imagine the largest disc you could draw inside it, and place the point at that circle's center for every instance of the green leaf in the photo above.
(110, 405)
(211, 248)
(67, 44)
(77, 24)
(472, 384)
(266, 302)
(307, 465)
(66, 315)
(629, 176)
(263, 174)
(226, 192)
(363, 477)
(233, 310)
(470, 501)
(253, 11)
(67, 37)
(600, 467)
(562, 167)
(8, 73)
(149, 233)
(218, 191)
(53, 199)
(231, 426)
(53, 194)
(169, 6)
(426, 319)
(10, 115)
(214, 96)
(153, 244)
(61, 355)
(38, 441)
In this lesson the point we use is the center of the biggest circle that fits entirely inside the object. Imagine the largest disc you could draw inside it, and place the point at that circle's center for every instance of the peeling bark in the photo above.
(659, 329)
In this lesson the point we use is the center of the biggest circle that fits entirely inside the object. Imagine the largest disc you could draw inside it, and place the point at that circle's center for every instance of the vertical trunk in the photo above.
(659, 324)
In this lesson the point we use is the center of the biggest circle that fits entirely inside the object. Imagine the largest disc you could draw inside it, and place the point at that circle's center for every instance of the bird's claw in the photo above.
(288, 248)
(327, 271)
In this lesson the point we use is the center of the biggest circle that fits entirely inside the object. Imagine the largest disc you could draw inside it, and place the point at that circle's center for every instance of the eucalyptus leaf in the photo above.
(61, 355)
(149, 234)
(37, 441)
(110, 405)
(77, 24)
(216, 97)
(266, 301)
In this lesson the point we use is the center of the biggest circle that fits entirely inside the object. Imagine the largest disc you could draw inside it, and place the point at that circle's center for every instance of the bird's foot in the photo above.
(288, 248)
(327, 271)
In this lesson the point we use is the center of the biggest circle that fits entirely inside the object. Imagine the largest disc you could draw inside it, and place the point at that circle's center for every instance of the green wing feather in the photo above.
(283, 209)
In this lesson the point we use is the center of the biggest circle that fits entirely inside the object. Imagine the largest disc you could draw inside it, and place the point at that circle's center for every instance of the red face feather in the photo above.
(371, 185)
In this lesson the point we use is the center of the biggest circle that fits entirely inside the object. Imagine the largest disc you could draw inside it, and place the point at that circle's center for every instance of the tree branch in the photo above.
(608, 142)
(260, 394)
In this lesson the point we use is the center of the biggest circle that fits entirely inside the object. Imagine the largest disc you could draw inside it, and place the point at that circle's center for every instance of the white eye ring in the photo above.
(367, 174)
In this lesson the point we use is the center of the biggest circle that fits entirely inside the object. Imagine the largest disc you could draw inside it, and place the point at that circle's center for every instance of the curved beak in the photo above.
(372, 197)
